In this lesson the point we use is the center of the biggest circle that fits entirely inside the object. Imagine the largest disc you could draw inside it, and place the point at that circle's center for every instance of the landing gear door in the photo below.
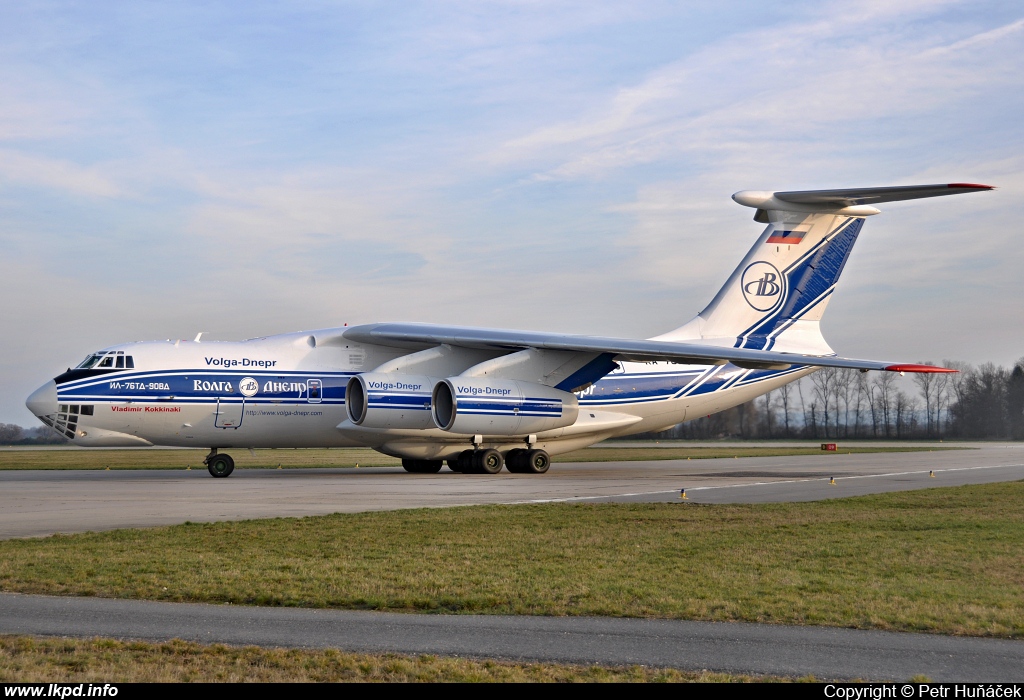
(315, 390)
(229, 414)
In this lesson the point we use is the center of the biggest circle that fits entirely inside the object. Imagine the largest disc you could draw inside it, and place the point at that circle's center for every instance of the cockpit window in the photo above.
(109, 360)
(88, 362)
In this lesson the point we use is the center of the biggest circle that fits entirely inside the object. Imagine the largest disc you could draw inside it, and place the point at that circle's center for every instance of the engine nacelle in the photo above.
(389, 400)
(481, 406)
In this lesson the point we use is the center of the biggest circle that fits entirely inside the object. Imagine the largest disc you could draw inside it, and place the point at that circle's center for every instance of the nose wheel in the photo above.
(219, 466)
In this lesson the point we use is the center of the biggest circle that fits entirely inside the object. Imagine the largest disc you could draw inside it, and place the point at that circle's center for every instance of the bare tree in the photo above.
(824, 381)
(903, 408)
(959, 380)
(862, 391)
(803, 406)
(768, 413)
(10, 433)
(741, 414)
(884, 385)
(927, 383)
(942, 394)
(783, 398)
(843, 392)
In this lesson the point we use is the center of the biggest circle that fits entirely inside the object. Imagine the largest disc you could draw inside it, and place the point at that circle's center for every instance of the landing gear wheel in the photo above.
(464, 463)
(453, 464)
(537, 462)
(220, 466)
(515, 461)
(422, 466)
(488, 461)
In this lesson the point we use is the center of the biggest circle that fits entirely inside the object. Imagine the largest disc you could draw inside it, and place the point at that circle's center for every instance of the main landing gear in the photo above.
(527, 461)
(422, 466)
(490, 461)
(219, 466)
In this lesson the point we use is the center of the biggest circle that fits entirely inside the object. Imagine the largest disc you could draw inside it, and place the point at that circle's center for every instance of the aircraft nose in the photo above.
(43, 400)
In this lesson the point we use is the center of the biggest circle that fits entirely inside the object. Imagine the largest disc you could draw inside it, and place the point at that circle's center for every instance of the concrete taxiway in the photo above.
(827, 653)
(36, 503)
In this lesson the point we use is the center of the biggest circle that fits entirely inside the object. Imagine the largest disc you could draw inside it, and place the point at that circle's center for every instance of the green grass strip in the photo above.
(635, 454)
(144, 458)
(65, 660)
(939, 560)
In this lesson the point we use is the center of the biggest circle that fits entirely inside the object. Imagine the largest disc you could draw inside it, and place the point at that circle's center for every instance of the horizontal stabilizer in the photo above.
(856, 202)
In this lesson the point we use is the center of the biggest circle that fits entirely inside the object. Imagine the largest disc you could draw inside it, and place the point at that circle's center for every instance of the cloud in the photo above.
(772, 93)
(24, 169)
(856, 94)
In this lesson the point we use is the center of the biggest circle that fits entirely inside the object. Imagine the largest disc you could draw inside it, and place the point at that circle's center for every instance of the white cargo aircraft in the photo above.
(483, 398)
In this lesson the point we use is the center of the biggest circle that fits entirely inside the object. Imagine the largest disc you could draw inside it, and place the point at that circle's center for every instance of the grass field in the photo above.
(350, 457)
(634, 454)
(940, 560)
(181, 459)
(46, 660)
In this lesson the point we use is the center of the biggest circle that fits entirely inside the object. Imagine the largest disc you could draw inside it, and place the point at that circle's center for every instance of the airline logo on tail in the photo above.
(763, 286)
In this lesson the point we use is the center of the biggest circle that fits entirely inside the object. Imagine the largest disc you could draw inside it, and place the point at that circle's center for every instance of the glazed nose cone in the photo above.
(43, 400)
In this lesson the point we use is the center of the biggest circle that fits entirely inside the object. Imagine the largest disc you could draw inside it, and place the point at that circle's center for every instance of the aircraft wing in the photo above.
(422, 335)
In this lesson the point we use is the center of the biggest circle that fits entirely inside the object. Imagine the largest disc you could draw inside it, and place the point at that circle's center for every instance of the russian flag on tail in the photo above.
(787, 237)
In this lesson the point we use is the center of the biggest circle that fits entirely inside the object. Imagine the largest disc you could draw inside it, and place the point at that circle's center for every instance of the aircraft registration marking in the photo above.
(140, 385)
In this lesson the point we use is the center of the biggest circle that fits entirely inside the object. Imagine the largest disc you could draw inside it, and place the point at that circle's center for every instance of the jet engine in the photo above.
(389, 400)
(481, 406)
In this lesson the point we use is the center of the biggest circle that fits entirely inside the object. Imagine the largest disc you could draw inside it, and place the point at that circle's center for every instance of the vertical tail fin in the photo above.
(776, 297)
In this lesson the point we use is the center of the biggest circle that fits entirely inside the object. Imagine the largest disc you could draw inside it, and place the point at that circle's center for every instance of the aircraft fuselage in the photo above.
(289, 391)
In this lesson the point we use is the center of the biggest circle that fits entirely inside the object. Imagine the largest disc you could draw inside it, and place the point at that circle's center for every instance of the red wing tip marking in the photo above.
(969, 186)
(920, 369)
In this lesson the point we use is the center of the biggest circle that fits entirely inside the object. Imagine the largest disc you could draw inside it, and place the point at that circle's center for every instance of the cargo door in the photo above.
(229, 413)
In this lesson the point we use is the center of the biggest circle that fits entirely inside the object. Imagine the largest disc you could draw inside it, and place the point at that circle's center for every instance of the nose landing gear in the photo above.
(219, 466)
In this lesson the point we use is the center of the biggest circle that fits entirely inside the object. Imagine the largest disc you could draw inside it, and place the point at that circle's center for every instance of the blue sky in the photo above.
(248, 168)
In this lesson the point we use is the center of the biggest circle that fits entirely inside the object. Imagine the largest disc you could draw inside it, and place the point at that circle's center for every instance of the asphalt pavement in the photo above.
(824, 652)
(38, 503)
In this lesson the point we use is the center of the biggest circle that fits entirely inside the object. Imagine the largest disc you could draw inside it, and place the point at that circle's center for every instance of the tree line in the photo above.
(984, 402)
(11, 434)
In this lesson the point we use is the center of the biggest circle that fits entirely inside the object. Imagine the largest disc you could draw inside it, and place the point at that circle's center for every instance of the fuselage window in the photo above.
(87, 410)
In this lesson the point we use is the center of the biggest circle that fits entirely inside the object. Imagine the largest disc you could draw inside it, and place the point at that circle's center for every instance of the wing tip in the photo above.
(969, 186)
(920, 369)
